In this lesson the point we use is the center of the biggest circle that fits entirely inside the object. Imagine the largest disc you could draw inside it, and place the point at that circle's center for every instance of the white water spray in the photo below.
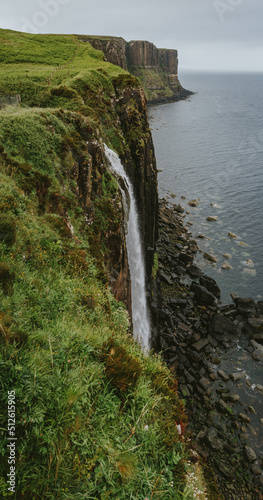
(140, 316)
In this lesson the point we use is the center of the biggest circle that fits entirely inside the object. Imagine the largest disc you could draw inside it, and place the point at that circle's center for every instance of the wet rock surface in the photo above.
(194, 333)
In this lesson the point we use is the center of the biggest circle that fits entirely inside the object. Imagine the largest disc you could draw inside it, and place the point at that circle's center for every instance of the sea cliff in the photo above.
(92, 415)
(156, 68)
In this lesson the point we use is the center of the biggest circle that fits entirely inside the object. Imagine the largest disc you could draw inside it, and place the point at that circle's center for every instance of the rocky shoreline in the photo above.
(182, 95)
(194, 333)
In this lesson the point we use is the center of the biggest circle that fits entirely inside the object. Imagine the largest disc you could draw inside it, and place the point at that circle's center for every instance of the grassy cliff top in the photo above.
(56, 71)
(95, 417)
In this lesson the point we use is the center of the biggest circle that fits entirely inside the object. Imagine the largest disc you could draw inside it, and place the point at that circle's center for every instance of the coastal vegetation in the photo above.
(95, 416)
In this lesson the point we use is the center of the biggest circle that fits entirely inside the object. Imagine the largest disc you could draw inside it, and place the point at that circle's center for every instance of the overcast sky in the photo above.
(209, 34)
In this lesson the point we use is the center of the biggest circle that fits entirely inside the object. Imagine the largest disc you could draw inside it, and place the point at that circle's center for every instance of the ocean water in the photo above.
(210, 148)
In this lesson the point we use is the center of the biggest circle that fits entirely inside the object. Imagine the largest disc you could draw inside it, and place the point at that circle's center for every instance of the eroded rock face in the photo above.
(142, 53)
(88, 173)
(140, 164)
(168, 60)
(129, 117)
(158, 68)
(112, 47)
(146, 54)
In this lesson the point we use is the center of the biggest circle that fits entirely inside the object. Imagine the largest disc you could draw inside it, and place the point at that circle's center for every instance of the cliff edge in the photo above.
(79, 388)
(156, 68)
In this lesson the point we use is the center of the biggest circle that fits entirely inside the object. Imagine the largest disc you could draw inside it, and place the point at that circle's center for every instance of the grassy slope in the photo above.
(95, 418)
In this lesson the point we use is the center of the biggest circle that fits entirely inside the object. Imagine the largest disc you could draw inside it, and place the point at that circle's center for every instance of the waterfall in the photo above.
(140, 316)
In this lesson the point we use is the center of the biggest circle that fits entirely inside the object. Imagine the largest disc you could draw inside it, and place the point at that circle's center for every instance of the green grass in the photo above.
(53, 70)
(95, 417)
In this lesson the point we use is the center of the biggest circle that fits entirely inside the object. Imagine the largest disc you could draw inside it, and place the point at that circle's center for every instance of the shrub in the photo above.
(6, 279)
(59, 224)
(76, 262)
(155, 266)
(38, 182)
(63, 91)
(9, 332)
(122, 369)
(58, 203)
(88, 301)
(7, 229)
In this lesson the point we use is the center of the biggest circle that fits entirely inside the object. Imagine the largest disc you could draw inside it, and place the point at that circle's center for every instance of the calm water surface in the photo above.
(210, 148)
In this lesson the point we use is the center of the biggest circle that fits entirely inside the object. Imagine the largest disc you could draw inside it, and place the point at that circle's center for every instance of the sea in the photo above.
(209, 149)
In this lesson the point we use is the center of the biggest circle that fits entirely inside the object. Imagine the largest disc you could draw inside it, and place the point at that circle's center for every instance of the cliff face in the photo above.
(142, 53)
(168, 61)
(156, 68)
(129, 112)
(114, 48)
(105, 104)
(61, 244)
(88, 172)
(139, 161)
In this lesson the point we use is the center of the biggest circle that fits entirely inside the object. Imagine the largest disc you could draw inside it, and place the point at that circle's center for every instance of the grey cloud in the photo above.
(192, 26)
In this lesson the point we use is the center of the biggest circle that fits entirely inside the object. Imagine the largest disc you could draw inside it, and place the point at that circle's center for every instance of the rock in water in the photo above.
(212, 218)
(193, 203)
(194, 271)
(251, 455)
(179, 209)
(210, 257)
(226, 266)
(211, 285)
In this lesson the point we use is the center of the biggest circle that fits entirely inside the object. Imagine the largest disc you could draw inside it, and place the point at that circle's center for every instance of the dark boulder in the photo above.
(185, 258)
(165, 278)
(195, 272)
(259, 306)
(213, 440)
(246, 307)
(224, 329)
(166, 317)
(180, 271)
(175, 303)
(210, 285)
(202, 296)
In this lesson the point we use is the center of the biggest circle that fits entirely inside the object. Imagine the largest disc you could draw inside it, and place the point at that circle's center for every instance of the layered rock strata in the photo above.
(156, 68)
